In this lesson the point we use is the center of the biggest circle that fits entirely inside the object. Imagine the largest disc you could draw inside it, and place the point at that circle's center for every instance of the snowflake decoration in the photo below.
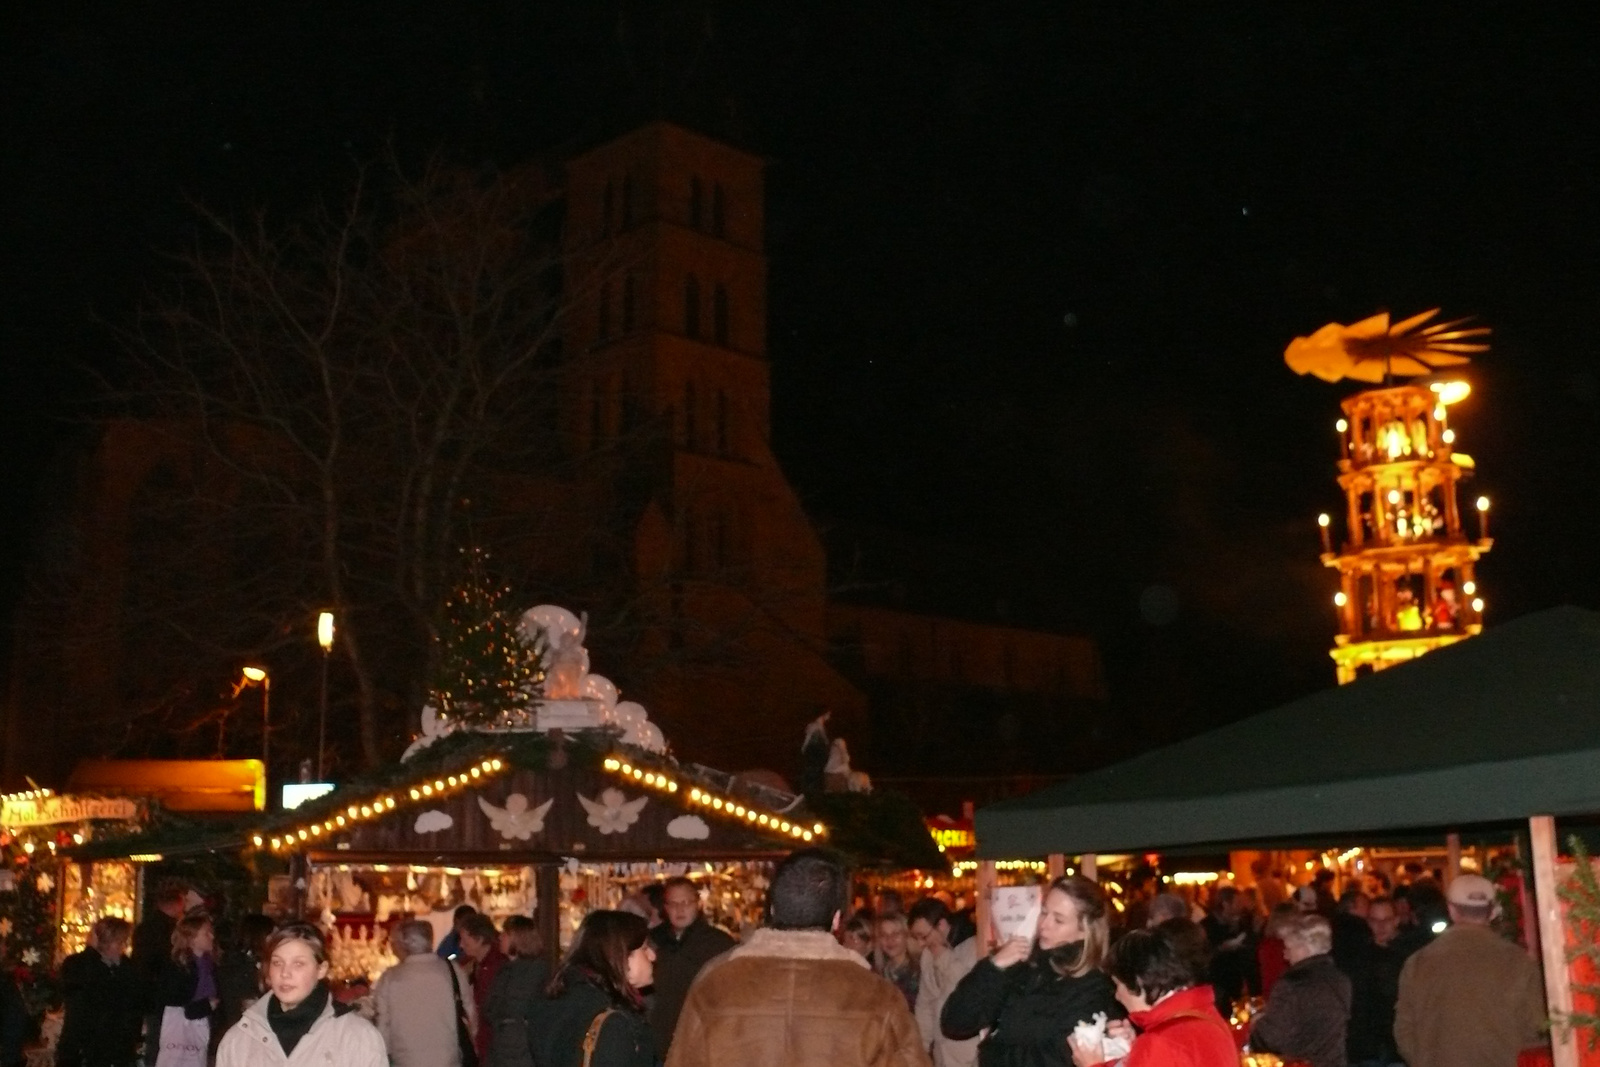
(46, 882)
(31, 957)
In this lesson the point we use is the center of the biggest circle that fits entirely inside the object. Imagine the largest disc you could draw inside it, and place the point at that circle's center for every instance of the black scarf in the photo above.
(292, 1025)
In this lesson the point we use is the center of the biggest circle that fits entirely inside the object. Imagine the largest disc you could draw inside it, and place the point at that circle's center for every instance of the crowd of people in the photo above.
(1414, 976)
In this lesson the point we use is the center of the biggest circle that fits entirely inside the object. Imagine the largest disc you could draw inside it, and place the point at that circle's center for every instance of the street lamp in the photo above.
(325, 639)
(259, 676)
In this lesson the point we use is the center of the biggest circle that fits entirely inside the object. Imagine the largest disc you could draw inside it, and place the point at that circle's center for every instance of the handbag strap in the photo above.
(592, 1038)
(463, 1032)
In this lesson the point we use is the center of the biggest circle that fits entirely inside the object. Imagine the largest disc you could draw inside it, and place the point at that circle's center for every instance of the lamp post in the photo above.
(1483, 517)
(325, 639)
(259, 676)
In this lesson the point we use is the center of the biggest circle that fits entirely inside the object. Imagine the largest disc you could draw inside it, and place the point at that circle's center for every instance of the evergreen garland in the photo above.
(27, 932)
(1582, 895)
(484, 667)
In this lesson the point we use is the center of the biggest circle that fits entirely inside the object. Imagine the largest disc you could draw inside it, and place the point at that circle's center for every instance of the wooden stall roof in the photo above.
(529, 815)
(687, 812)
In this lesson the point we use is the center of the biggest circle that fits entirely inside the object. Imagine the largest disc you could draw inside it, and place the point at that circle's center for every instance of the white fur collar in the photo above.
(795, 945)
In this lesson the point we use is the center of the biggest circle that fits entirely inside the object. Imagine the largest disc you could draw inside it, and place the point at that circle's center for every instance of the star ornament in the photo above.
(612, 813)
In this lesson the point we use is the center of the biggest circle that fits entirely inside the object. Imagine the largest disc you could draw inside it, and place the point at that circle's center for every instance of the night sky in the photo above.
(1033, 265)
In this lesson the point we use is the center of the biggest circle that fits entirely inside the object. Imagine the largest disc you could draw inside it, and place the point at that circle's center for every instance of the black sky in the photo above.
(1033, 265)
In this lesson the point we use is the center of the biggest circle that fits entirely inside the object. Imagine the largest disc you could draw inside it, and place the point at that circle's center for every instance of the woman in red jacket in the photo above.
(1157, 975)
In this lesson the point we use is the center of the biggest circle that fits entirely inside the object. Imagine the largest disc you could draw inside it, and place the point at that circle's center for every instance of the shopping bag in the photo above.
(183, 1040)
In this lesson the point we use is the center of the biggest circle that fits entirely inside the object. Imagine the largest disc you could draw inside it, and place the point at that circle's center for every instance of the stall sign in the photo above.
(44, 811)
(950, 834)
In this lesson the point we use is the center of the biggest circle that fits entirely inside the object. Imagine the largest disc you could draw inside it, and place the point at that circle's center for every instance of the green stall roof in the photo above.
(1488, 730)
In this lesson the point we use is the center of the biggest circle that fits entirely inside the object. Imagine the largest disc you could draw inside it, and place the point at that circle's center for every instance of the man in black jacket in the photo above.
(684, 943)
(1309, 1010)
(152, 951)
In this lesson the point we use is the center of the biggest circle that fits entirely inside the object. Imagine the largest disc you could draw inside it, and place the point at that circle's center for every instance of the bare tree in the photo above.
(357, 380)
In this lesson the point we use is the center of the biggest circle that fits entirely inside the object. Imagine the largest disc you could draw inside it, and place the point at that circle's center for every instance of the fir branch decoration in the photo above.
(484, 667)
(1582, 895)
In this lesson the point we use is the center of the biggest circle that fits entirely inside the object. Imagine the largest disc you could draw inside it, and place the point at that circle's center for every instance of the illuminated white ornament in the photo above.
(688, 828)
(516, 821)
(431, 822)
(612, 813)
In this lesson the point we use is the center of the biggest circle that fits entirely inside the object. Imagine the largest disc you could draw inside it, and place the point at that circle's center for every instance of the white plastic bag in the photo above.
(183, 1040)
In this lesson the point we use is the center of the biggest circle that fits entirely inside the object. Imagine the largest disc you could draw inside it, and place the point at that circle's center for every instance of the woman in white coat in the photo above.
(298, 1023)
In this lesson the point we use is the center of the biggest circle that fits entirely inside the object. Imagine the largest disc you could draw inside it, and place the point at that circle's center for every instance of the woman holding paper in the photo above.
(1033, 992)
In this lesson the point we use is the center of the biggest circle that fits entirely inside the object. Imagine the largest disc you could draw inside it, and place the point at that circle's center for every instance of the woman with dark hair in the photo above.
(594, 1014)
(297, 1022)
(1158, 979)
(515, 994)
(1030, 995)
(100, 1023)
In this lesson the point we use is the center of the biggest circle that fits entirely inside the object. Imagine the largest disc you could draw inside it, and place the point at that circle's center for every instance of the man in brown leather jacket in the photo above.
(792, 996)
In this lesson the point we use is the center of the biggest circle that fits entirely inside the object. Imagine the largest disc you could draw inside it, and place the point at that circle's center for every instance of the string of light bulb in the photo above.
(722, 805)
(378, 806)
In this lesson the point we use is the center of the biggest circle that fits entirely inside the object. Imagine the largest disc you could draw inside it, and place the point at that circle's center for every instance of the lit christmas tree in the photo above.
(484, 667)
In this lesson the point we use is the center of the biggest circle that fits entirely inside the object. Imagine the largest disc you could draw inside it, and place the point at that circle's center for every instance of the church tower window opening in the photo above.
(719, 211)
(696, 204)
(719, 314)
(691, 307)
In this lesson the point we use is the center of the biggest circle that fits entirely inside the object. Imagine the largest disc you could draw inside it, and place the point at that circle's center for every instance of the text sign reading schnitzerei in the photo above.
(43, 811)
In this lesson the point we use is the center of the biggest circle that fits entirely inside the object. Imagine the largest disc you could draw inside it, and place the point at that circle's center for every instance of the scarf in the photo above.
(292, 1025)
(205, 986)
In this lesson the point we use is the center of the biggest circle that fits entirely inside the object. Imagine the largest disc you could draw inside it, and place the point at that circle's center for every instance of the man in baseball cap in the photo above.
(1471, 998)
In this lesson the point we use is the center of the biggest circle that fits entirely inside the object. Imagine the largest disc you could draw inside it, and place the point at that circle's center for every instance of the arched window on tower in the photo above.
(719, 314)
(628, 212)
(691, 306)
(719, 211)
(689, 416)
(602, 329)
(696, 204)
(608, 208)
(722, 424)
(629, 299)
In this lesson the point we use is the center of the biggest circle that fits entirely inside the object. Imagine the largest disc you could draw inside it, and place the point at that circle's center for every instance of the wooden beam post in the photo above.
(1552, 938)
(1089, 866)
(547, 911)
(1452, 865)
(1055, 865)
(984, 880)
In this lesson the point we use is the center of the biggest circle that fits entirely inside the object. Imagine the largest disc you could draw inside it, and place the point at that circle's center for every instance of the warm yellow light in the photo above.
(302, 835)
(339, 819)
(476, 773)
(806, 835)
(1451, 392)
(256, 674)
(1448, 437)
(325, 630)
(1341, 426)
(276, 843)
(452, 781)
(416, 795)
(1323, 520)
(672, 787)
(316, 831)
(256, 840)
(1469, 587)
(818, 828)
(612, 764)
(694, 794)
(1483, 503)
(427, 790)
(1340, 600)
(1394, 496)
(1477, 604)
(439, 785)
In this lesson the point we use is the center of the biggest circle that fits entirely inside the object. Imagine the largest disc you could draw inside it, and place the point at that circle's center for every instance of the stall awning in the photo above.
(202, 785)
(1494, 729)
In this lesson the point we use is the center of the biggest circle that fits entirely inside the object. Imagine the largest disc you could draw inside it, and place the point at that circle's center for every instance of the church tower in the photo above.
(666, 349)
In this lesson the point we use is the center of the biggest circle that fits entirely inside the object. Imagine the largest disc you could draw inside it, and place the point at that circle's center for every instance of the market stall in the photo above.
(1493, 736)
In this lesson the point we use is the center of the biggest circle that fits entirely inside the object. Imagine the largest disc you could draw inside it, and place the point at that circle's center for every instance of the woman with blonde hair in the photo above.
(1030, 995)
(186, 984)
(297, 1022)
